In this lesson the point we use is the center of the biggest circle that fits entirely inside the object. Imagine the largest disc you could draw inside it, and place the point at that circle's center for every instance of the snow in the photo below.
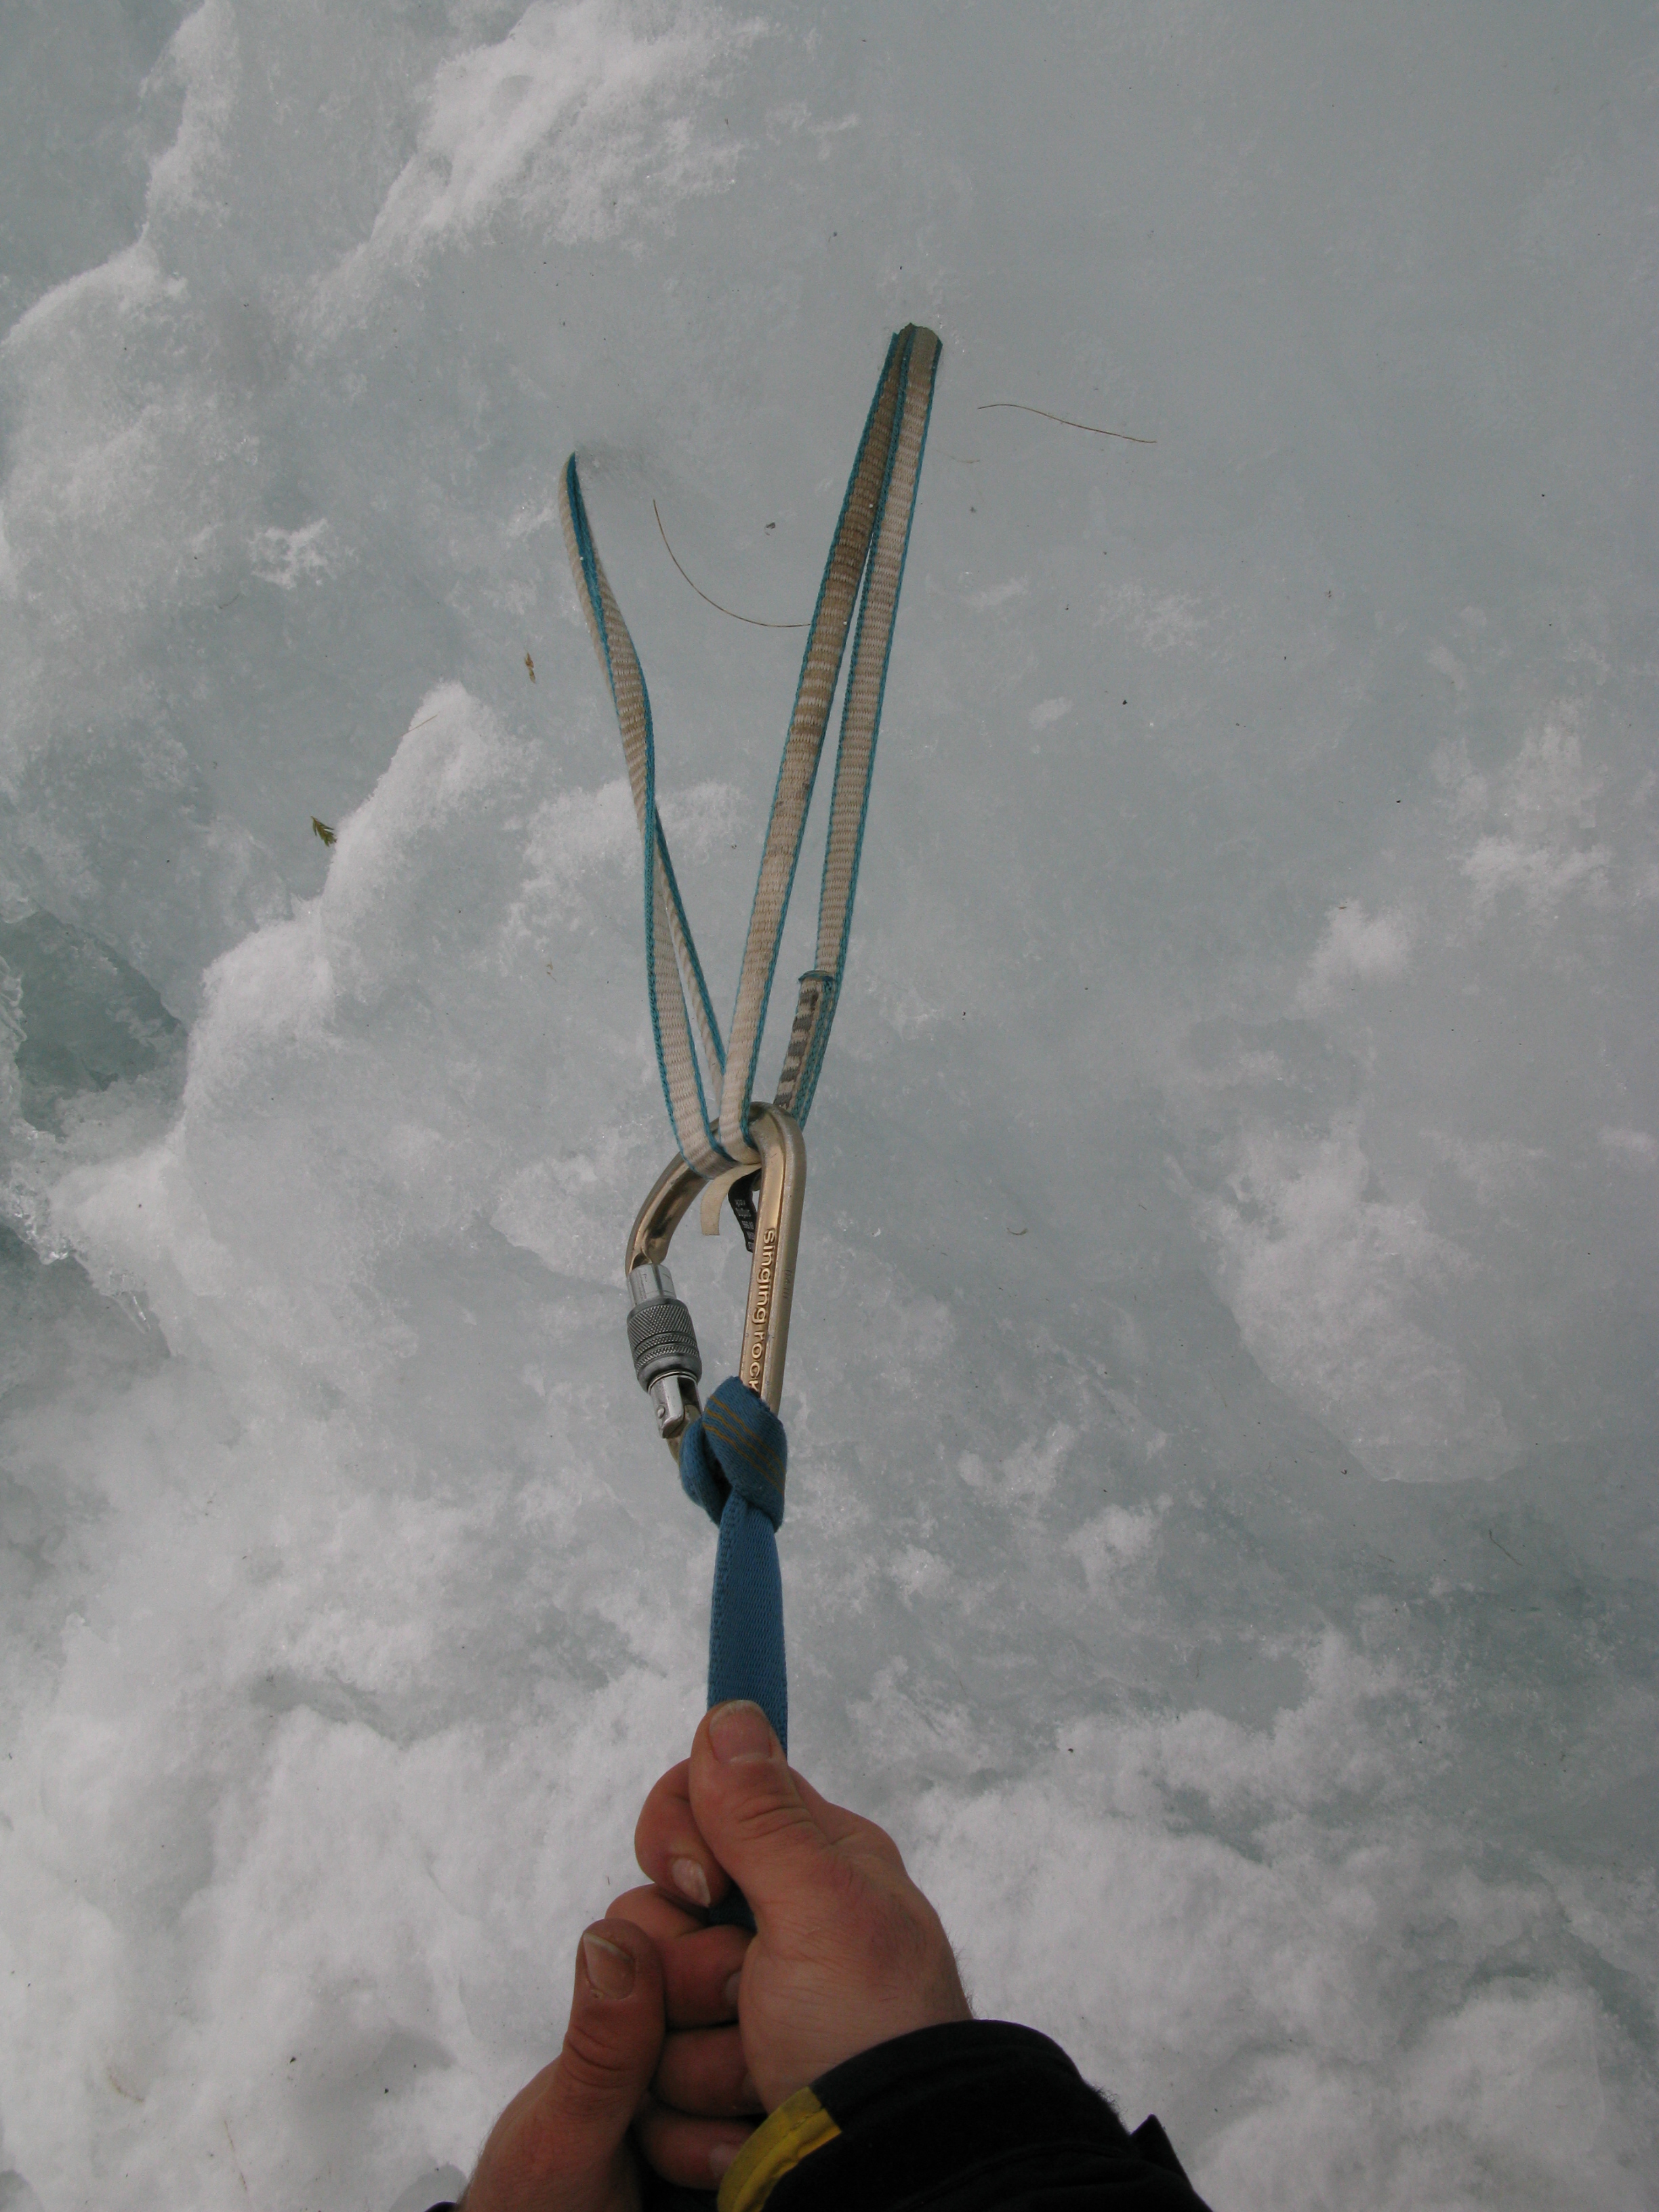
(1223, 1539)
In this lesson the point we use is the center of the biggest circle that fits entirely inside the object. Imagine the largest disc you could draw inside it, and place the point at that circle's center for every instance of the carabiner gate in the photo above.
(660, 1334)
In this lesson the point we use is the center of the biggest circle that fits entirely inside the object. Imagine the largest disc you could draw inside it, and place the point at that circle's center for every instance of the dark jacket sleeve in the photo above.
(980, 2116)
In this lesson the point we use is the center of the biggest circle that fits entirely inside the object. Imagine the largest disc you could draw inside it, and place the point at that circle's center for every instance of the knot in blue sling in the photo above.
(732, 1463)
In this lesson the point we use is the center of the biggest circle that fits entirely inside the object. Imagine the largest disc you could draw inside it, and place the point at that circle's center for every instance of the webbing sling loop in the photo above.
(733, 1453)
(864, 570)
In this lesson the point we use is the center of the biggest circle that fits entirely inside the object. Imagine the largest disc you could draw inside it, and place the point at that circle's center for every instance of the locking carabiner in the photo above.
(660, 1334)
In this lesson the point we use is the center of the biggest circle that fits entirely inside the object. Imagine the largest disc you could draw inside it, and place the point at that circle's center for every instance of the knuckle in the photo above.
(664, 1808)
(889, 1937)
(592, 2071)
(772, 1819)
(876, 1848)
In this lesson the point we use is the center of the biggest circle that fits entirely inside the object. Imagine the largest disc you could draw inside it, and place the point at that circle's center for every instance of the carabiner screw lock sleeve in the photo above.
(664, 1343)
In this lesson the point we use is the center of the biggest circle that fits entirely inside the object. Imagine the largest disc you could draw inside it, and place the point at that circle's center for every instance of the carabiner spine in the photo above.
(777, 1237)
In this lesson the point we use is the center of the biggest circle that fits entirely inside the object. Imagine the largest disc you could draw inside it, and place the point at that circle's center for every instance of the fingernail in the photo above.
(732, 1990)
(689, 1879)
(721, 2156)
(610, 1968)
(740, 1731)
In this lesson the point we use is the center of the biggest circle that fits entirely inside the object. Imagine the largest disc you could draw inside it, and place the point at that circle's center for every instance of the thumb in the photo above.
(750, 1812)
(561, 2145)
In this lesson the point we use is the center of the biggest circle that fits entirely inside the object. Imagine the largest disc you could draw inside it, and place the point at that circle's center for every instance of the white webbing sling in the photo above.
(868, 549)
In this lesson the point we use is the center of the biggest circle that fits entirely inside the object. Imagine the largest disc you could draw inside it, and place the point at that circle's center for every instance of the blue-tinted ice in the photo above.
(1222, 1541)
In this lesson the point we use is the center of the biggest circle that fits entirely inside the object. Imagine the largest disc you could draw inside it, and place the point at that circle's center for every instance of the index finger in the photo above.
(840, 1827)
(669, 1846)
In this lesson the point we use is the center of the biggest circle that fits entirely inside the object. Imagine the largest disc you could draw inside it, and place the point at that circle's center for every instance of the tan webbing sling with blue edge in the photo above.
(734, 1455)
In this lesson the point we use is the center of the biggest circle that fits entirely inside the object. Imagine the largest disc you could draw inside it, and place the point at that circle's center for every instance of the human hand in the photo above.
(713, 2027)
(701, 2104)
(562, 2145)
(847, 1953)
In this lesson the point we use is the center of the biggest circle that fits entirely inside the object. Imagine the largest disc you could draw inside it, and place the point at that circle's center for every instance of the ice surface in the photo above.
(1223, 1540)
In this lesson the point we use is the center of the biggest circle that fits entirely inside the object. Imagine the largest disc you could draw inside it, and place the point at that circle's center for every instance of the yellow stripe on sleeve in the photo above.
(798, 2128)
